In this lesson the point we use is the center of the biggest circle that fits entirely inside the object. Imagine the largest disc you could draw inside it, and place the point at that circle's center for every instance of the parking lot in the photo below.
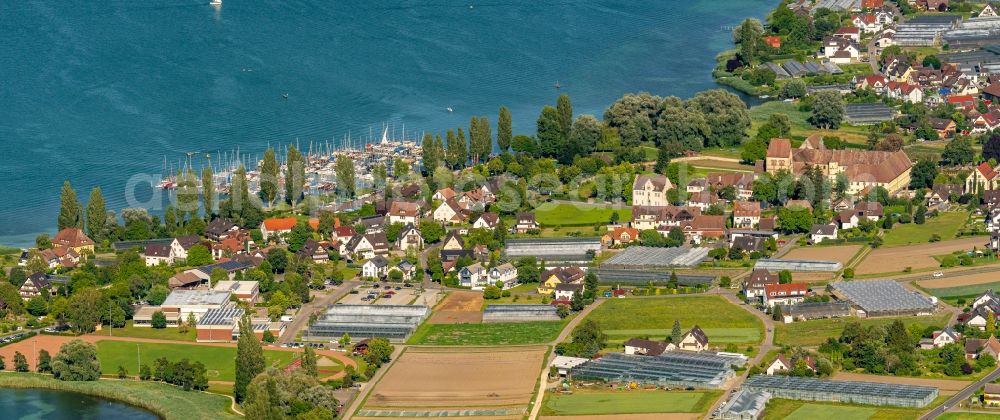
(394, 295)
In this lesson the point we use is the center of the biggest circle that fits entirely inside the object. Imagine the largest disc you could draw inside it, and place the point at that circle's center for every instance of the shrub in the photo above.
(77, 361)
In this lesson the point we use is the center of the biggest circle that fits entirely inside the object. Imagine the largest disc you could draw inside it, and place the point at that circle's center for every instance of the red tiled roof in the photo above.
(783, 290)
(72, 237)
(285, 223)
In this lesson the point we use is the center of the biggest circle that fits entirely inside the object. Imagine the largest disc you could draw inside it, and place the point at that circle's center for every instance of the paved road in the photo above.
(543, 379)
(318, 304)
(962, 395)
(348, 413)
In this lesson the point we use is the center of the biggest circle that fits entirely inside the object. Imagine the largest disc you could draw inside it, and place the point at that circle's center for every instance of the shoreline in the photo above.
(149, 397)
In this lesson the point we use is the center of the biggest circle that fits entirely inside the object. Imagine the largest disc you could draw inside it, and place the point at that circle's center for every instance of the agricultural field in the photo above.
(535, 332)
(890, 260)
(578, 214)
(808, 410)
(812, 277)
(968, 416)
(963, 291)
(469, 378)
(977, 279)
(841, 254)
(217, 359)
(593, 402)
(460, 307)
(945, 225)
(815, 332)
(722, 321)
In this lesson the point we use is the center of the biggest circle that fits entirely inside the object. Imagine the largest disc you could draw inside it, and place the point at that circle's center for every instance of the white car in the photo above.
(938, 274)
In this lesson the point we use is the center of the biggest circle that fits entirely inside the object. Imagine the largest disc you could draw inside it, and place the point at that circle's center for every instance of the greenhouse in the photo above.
(797, 265)
(520, 313)
(554, 249)
(672, 369)
(882, 297)
(871, 393)
(638, 277)
(395, 322)
(650, 257)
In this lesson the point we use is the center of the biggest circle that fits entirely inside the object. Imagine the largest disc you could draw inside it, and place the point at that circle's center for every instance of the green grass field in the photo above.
(586, 402)
(969, 416)
(218, 360)
(159, 334)
(800, 126)
(167, 401)
(722, 321)
(561, 214)
(963, 291)
(805, 410)
(815, 332)
(946, 225)
(535, 332)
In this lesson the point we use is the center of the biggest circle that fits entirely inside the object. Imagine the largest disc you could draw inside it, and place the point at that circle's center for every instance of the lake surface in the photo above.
(30, 404)
(101, 92)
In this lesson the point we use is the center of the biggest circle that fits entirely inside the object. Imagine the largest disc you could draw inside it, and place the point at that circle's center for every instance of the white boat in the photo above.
(215, 2)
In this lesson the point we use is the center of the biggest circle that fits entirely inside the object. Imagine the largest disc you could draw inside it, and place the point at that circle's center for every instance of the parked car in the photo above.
(938, 274)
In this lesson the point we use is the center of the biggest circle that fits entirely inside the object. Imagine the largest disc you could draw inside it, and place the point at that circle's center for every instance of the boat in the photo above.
(558, 86)
(449, 109)
(215, 2)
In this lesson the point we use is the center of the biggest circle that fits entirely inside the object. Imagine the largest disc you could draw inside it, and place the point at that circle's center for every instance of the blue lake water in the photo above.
(40, 404)
(99, 91)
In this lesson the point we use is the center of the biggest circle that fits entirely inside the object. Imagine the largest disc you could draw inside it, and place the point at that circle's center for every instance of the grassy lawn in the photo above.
(167, 401)
(535, 332)
(968, 416)
(218, 360)
(806, 410)
(946, 225)
(561, 214)
(800, 126)
(815, 332)
(722, 321)
(515, 299)
(147, 332)
(587, 402)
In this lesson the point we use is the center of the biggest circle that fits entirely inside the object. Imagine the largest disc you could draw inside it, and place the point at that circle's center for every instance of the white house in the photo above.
(450, 212)
(944, 337)
(505, 273)
(650, 190)
(784, 294)
(566, 291)
(375, 268)
(474, 276)
(488, 221)
(404, 212)
(410, 239)
(820, 233)
(694, 340)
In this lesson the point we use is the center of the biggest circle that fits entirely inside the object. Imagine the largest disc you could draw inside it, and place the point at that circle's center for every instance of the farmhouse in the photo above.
(784, 294)
(646, 347)
(782, 364)
(554, 277)
(753, 285)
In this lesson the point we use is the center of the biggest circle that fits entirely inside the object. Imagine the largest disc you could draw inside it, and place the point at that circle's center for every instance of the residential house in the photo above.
(939, 197)
(450, 212)
(852, 33)
(220, 228)
(944, 127)
(566, 291)
(847, 219)
(368, 246)
(753, 285)
(244, 291)
(702, 200)
(697, 185)
(742, 182)
(444, 194)
(525, 222)
(643, 347)
(988, 11)
(748, 243)
(933, 5)
(773, 41)
(962, 102)
(410, 239)
(375, 268)
(867, 23)
(276, 228)
(374, 224)
(783, 364)
(704, 227)
(649, 218)
(453, 241)
(983, 178)
(820, 233)
(991, 391)
(551, 278)
(488, 221)
(408, 270)
(746, 214)
(944, 337)
(475, 276)
(784, 294)
(342, 235)
(159, 253)
(404, 212)
(650, 190)
(34, 285)
(620, 236)
(694, 340)
(75, 239)
(505, 273)
(314, 251)
(840, 50)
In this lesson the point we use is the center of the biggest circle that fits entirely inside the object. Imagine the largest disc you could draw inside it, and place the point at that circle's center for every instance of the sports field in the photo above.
(945, 225)
(589, 402)
(535, 332)
(218, 360)
(425, 379)
(722, 321)
(577, 214)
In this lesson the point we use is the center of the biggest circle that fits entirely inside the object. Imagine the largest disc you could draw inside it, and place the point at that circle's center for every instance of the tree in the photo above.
(20, 362)
(784, 277)
(249, 358)
(76, 361)
(345, 340)
(676, 334)
(263, 399)
(431, 232)
(491, 292)
(37, 306)
(344, 168)
(97, 215)
(379, 351)
(795, 219)
(549, 132)
(432, 154)
(269, 177)
(70, 213)
(631, 119)
(583, 138)
(827, 110)
(958, 151)
(309, 362)
(920, 216)
(209, 198)
(761, 76)
(932, 61)
(923, 174)
(891, 143)
(158, 320)
(776, 313)
(726, 113)
(680, 129)
(565, 109)
(457, 154)
(400, 169)
(480, 139)
(44, 361)
(300, 233)
(991, 149)
(748, 37)
(199, 255)
(793, 89)
(83, 310)
(295, 175)
(504, 132)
